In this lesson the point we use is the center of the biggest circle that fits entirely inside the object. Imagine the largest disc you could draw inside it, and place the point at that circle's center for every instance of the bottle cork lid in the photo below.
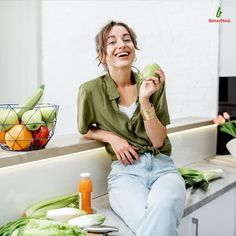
(85, 175)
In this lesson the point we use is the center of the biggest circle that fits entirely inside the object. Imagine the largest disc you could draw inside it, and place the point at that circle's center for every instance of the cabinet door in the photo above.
(184, 228)
(216, 218)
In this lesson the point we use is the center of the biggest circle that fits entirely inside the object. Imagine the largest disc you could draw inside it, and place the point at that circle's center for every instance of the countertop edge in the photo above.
(72, 143)
(190, 209)
(189, 126)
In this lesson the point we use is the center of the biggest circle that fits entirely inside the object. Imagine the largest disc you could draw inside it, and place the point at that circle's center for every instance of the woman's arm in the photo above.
(155, 130)
(125, 152)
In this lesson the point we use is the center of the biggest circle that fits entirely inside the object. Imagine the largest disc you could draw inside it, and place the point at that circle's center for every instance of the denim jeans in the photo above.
(148, 195)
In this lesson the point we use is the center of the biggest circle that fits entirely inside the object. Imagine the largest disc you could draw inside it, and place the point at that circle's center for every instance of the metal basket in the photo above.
(31, 131)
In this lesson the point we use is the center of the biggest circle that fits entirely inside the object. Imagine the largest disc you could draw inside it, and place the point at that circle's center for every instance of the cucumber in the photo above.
(30, 102)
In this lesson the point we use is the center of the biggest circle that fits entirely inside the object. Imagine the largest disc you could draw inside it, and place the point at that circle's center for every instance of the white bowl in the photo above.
(231, 146)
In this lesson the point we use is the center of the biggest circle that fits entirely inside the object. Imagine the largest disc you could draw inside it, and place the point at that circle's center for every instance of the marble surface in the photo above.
(71, 143)
(194, 199)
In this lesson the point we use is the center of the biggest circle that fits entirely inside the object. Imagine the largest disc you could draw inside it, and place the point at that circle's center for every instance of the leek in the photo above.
(87, 220)
(64, 214)
(39, 210)
(199, 179)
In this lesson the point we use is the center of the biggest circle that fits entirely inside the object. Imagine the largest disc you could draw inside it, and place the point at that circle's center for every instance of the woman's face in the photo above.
(120, 50)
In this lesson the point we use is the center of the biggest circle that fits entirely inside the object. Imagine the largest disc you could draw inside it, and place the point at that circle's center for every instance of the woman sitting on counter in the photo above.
(130, 117)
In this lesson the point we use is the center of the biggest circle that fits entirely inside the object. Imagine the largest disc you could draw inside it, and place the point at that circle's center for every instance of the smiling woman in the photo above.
(119, 48)
(107, 41)
(129, 114)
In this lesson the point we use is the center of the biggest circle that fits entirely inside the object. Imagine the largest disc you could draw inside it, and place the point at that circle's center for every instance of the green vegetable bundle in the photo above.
(39, 210)
(199, 179)
(9, 228)
(37, 227)
(55, 217)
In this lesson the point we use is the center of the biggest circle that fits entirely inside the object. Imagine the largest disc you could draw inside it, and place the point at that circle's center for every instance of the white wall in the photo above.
(19, 49)
(176, 34)
(52, 41)
(227, 65)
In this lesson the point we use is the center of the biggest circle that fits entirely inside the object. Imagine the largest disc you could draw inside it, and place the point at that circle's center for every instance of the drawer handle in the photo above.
(195, 221)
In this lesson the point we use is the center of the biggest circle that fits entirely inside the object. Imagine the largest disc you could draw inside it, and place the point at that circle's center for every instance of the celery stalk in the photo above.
(39, 210)
(10, 227)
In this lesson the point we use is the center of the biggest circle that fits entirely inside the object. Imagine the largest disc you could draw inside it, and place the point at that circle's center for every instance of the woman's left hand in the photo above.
(152, 84)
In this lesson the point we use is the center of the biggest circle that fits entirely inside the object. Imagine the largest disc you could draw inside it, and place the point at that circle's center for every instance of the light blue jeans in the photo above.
(148, 195)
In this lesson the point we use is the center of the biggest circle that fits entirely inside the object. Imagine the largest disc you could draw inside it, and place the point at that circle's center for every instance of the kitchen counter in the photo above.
(200, 145)
(72, 143)
(58, 146)
(195, 198)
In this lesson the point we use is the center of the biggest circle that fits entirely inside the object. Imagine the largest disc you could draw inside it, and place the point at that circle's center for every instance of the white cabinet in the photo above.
(216, 218)
(29, 183)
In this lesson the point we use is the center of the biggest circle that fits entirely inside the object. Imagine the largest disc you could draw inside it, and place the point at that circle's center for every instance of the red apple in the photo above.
(40, 136)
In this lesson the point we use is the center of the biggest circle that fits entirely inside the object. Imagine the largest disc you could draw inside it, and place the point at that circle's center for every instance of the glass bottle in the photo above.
(85, 192)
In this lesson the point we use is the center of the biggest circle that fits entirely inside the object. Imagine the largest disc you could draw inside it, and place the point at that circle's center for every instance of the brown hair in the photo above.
(100, 38)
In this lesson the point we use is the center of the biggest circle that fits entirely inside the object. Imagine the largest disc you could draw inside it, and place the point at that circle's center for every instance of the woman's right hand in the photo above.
(125, 152)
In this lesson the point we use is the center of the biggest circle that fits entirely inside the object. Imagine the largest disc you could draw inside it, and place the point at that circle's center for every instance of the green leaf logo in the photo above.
(218, 13)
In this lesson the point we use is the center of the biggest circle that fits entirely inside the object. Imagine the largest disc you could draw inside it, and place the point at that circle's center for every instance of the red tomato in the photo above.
(40, 136)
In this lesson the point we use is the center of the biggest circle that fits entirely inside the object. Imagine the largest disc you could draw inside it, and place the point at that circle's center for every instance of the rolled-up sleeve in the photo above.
(85, 113)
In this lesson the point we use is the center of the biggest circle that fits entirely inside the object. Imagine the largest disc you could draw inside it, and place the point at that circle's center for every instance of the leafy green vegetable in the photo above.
(199, 179)
(37, 227)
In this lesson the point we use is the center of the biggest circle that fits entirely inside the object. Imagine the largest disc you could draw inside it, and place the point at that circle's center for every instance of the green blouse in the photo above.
(98, 101)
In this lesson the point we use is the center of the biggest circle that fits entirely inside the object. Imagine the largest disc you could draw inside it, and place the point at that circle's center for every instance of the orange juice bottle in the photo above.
(85, 191)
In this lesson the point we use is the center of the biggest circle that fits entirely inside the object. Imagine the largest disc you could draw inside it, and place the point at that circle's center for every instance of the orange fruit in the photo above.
(18, 138)
(2, 137)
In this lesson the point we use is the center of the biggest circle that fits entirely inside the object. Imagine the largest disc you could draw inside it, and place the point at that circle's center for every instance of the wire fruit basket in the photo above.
(27, 128)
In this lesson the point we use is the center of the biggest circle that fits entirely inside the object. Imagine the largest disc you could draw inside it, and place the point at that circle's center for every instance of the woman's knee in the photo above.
(168, 194)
